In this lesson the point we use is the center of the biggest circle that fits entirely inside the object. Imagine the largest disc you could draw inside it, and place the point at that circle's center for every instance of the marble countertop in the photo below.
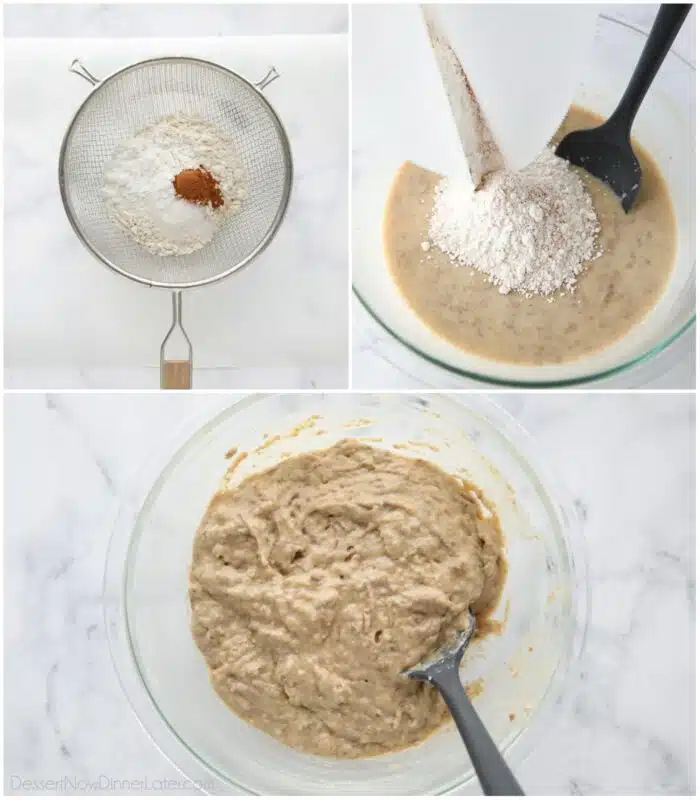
(283, 322)
(628, 460)
(111, 20)
(379, 361)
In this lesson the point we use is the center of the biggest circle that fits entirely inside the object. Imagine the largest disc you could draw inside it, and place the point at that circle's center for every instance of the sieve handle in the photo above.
(79, 68)
(271, 76)
(176, 371)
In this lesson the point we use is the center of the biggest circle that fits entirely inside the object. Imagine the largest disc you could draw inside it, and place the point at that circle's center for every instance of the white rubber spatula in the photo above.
(510, 73)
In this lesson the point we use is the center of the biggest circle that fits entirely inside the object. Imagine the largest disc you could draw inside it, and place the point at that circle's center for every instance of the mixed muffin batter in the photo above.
(612, 294)
(314, 584)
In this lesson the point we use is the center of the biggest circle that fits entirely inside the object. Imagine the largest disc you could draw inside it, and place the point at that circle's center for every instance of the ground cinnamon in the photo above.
(198, 186)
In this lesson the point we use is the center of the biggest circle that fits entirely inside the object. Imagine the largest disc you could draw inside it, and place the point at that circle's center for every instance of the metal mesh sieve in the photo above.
(127, 101)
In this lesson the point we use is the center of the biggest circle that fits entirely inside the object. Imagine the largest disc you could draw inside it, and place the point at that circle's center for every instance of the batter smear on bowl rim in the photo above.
(315, 583)
(538, 267)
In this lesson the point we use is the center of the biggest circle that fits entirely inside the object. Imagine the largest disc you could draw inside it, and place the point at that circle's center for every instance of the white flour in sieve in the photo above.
(529, 231)
(139, 191)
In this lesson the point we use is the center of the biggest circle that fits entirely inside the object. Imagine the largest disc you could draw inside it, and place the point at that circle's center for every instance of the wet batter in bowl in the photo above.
(316, 582)
(612, 294)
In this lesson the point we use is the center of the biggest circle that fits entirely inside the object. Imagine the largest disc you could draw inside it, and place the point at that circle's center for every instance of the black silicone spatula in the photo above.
(442, 670)
(606, 151)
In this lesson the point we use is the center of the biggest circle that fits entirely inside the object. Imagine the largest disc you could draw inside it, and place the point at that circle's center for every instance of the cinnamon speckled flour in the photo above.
(529, 231)
(139, 192)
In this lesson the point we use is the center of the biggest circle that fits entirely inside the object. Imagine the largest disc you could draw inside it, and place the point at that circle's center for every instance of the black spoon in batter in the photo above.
(606, 151)
(442, 671)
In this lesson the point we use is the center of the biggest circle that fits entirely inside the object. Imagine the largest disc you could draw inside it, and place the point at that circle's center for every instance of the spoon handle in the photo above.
(668, 22)
(493, 772)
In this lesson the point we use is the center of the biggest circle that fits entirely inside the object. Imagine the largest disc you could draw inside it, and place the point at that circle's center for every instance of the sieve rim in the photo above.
(276, 222)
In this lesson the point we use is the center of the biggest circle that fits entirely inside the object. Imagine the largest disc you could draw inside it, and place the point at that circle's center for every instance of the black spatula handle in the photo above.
(668, 22)
(494, 774)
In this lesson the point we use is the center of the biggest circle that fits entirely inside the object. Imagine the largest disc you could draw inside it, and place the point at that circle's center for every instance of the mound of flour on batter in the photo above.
(530, 231)
(316, 582)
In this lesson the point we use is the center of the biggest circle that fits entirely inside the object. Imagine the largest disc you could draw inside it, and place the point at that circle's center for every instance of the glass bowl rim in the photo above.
(619, 369)
(168, 454)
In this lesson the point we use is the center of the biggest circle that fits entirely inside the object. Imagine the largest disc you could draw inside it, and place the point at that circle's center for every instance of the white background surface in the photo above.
(627, 460)
(282, 322)
(380, 362)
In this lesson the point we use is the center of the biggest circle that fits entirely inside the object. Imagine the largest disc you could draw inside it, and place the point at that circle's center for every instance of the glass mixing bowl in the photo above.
(525, 669)
(665, 126)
